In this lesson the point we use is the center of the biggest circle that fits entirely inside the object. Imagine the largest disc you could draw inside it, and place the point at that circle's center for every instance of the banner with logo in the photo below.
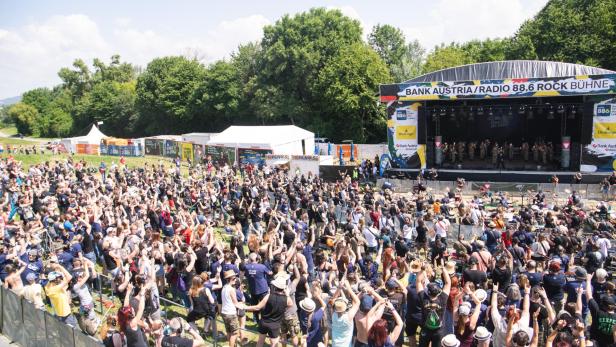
(154, 146)
(505, 88)
(254, 156)
(404, 150)
(220, 155)
(600, 154)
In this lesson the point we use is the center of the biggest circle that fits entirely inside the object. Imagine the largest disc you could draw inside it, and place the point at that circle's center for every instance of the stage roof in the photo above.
(510, 69)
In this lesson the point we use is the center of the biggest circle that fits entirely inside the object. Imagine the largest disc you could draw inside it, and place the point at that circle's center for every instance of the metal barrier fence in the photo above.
(30, 327)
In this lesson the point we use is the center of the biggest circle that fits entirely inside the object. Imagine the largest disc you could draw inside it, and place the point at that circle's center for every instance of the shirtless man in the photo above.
(13, 280)
(365, 316)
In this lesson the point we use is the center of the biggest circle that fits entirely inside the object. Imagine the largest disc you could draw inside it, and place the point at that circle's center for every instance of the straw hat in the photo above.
(307, 305)
(492, 224)
(340, 305)
(481, 295)
(280, 282)
(450, 341)
(415, 266)
(482, 334)
(228, 274)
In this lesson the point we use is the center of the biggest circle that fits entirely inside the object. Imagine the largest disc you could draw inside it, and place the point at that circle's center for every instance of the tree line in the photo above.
(312, 69)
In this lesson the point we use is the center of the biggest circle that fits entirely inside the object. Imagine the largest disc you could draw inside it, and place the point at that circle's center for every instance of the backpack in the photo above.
(433, 320)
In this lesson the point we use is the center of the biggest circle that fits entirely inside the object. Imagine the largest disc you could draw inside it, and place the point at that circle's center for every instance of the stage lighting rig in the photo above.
(521, 109)
(560, 109)
(550, 113)
(480, 111)
(471, 114)
(529, 113)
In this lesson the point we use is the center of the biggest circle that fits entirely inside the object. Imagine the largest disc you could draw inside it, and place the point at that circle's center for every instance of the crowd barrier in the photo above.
(28, 326)
(515, 189)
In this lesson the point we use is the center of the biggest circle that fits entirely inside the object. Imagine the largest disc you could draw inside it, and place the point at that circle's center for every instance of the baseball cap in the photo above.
(53, 275)
(366, 303)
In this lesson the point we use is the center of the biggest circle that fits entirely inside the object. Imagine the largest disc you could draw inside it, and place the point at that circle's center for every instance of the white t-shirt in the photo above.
(441, 228)
(228, 307)
(369, 235)
(500, 328)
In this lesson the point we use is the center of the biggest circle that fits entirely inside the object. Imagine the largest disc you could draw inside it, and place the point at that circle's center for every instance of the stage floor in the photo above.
(515, 165)
(521, 176)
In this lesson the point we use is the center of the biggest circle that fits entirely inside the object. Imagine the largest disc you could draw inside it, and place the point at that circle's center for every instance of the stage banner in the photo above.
(404, 150)
(507, 88)
(154, 147)
(220, 155)
(600, 154)
(255, 156)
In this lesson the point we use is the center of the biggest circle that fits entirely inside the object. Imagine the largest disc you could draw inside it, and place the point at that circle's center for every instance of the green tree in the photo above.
(295, 50)
(411, 64)
(218, 97)
(25, 118)
(350, 82)
(78, 80)
(389, 42)
(111, 102)
(576, 31)
(39, 98)
(445, 57)
(165, 91)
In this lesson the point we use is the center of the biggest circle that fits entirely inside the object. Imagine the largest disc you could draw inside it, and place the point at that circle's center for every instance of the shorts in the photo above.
(232, 324)
(271, 330)
(290, 326)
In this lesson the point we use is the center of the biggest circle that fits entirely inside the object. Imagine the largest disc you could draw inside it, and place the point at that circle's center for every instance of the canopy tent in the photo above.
(87, 144)
(279, 139)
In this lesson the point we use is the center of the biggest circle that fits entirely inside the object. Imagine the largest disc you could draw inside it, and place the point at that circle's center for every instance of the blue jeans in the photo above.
(69, 320)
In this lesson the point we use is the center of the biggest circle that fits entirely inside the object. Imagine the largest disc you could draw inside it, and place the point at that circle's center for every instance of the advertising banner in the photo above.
(404, 150)
(154, 147)
(187, 151)
(600, 154)
(172, 149)
(220, 155)
(505, 88)
(254, 156)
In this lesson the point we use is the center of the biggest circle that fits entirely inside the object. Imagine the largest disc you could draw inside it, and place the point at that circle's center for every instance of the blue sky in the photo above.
(37, 38)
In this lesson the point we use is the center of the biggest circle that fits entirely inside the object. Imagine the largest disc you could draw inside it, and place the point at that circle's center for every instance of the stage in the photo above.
(564, 177)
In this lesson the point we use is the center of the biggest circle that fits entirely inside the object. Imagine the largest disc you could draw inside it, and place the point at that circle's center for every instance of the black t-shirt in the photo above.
(476, 276)
(602, 324)
(534, 278)
(439, 304)
(176, 341)
(502, 277)
(421, 233)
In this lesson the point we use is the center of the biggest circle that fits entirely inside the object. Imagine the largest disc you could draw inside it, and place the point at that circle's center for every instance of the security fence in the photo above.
(28, 326)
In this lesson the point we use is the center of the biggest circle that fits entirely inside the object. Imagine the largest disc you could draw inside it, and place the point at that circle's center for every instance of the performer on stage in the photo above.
(536, 153)
(510, 151)
(461, 150)
(471, 150)
(525, 150)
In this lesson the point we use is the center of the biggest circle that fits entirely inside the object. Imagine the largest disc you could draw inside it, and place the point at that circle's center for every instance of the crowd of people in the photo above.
(310, 263)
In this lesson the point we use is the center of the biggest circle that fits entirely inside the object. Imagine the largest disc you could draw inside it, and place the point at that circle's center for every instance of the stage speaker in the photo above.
(587, 118)
(576, 158)
(422, 125)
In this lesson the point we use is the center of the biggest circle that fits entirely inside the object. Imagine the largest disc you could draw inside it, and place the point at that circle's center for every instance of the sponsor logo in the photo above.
(604, 110)
(400, 114)
(406, 132)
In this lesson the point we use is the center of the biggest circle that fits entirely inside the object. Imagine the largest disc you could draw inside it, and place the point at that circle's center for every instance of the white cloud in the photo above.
(460, 21)
(30, 56)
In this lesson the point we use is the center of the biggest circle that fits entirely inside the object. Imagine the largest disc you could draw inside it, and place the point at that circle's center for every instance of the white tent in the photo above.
(87, 144)
(279, 139)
